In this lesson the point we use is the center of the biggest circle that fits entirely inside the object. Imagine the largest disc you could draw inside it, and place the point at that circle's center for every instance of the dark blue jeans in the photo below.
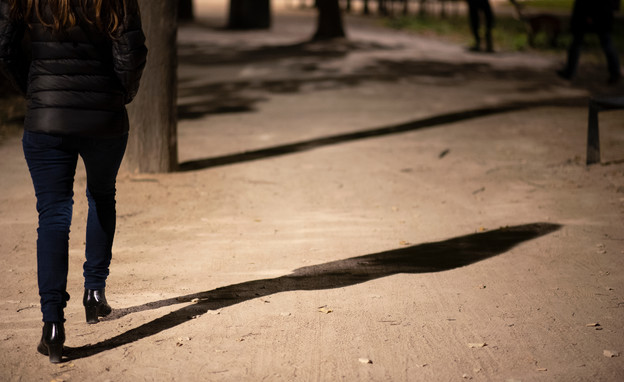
(52, 161)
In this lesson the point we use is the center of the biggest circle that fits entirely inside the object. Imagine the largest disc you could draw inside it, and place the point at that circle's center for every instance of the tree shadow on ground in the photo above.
(199, 98)
(206, 54)
(300, 66)
(429, 122)
(309, 66)
(424, 258)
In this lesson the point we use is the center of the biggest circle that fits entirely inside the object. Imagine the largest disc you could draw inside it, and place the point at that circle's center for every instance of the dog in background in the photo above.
(547, 23)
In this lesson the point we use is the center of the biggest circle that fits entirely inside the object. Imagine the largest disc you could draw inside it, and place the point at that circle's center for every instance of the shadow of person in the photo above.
(422, 258)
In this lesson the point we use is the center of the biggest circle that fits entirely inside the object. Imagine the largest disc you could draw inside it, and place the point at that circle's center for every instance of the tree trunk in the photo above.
(329, 20)
(250, 14)
(366, 10)
(185, 10)
(382, 7)
(152, 145)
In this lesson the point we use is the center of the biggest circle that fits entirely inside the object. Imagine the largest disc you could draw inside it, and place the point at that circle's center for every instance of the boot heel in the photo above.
(94, 301)
(91, 314)
(52, 340)
(56, 352)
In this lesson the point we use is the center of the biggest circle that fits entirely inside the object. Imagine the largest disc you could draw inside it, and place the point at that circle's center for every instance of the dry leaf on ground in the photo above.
(325, 309)
(611, 353)
(477, 344)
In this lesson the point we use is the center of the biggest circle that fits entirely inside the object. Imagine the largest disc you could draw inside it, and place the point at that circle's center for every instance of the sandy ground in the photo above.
(390, 199)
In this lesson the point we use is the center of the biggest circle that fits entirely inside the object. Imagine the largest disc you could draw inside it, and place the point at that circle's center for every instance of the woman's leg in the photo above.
(102, 158)
(52, 166)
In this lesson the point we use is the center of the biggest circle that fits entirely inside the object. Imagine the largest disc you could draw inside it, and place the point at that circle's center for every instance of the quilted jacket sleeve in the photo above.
(130, 52)
(12, 62)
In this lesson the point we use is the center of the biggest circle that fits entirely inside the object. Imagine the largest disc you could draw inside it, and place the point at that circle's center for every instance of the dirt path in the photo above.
(390, 198)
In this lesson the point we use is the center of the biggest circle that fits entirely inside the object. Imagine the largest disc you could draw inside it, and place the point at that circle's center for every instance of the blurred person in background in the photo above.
(475, 9)
(593, 16)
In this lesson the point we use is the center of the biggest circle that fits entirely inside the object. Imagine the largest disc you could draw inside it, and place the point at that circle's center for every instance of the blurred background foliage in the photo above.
(510, 33)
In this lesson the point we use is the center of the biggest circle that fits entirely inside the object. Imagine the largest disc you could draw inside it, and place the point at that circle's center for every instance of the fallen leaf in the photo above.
(325, 309)
(365, 360)
(611, 353)
(482, 189)
(477, 344)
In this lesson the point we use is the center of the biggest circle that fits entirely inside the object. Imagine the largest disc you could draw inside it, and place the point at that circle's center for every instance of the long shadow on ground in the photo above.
(424, 258)
(377, 132)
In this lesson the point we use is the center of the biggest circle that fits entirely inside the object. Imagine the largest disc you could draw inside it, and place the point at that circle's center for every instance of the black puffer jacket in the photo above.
(78, 82)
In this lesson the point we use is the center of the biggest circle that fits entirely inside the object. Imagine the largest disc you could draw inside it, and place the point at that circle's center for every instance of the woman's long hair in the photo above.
(106, 15)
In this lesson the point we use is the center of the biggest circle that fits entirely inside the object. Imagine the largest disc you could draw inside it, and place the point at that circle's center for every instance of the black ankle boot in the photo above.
(52, 340)
(95, 305)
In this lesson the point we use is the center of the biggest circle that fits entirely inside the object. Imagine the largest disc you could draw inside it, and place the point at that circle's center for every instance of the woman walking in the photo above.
(82, 65)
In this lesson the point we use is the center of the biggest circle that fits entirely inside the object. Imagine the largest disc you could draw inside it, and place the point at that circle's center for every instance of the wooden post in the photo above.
(593, 138)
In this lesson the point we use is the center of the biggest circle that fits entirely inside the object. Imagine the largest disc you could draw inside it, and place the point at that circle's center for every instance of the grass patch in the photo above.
(509, 33)
(562, 5)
